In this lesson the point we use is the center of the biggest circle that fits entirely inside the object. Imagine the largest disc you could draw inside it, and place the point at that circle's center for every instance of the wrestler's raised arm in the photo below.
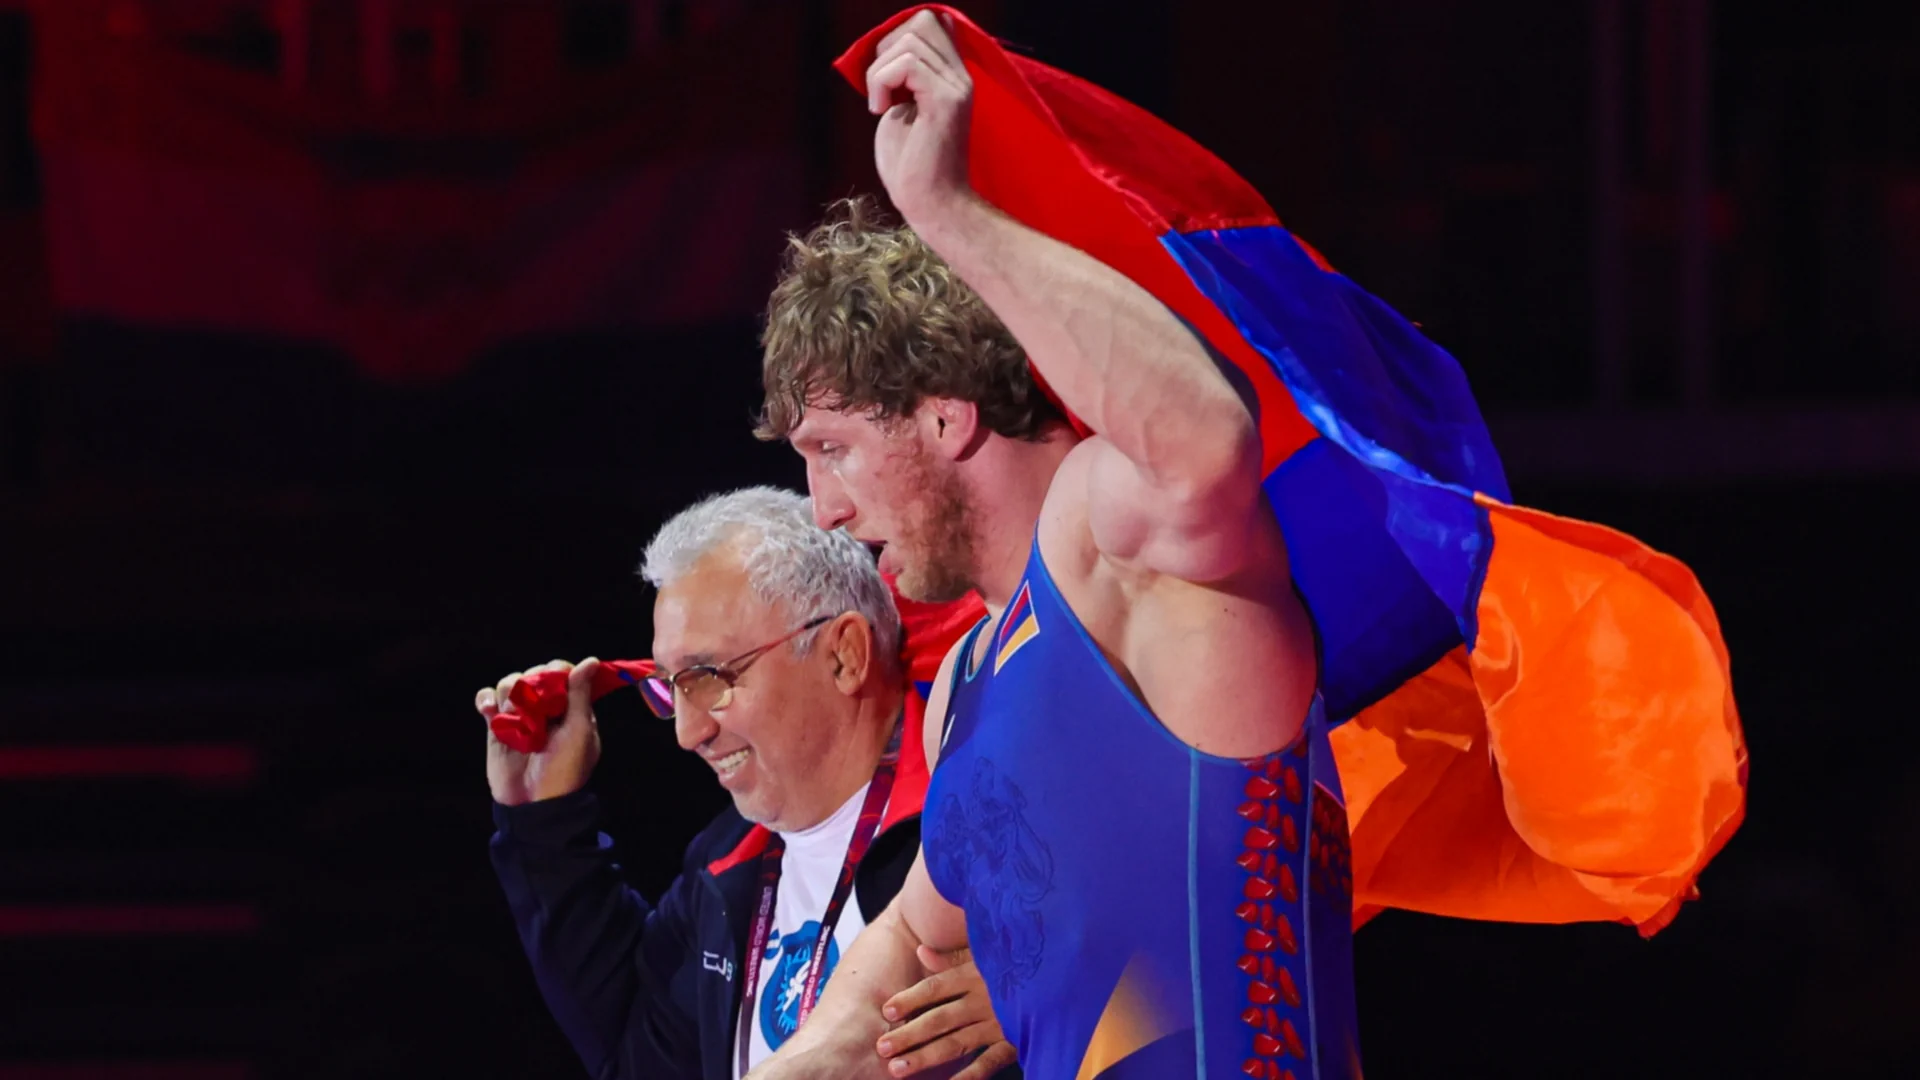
(1173, 482)
(1156, 530)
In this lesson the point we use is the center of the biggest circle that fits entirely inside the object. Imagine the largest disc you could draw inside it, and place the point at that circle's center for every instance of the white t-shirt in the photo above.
(809, 869)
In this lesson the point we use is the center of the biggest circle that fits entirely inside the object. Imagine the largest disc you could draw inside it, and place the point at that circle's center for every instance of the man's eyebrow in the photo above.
(693, 661)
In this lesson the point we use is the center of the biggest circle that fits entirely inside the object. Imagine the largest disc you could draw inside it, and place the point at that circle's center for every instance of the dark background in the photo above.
(247, 590)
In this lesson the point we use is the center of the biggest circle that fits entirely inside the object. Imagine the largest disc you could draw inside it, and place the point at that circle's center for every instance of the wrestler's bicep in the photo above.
(936, 923)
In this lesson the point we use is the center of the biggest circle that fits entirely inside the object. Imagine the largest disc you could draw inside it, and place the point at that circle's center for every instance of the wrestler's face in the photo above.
(770, 740)
(890, 485)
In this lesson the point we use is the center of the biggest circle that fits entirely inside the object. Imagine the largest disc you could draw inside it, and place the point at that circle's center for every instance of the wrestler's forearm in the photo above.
(837, 1041)
(1113, 353)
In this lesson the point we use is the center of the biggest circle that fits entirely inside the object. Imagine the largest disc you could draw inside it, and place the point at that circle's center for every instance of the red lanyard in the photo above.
(863, 831)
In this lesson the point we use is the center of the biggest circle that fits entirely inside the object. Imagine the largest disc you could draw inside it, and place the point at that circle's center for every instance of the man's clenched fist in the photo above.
(573, 747)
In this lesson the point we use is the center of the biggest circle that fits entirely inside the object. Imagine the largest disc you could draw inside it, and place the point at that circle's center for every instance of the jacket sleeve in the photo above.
(604, 958)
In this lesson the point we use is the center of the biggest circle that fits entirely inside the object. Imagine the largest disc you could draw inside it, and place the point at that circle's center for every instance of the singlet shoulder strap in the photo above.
(961, 665)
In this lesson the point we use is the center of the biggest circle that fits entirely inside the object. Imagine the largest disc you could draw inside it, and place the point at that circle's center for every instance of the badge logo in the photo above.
(780, 1002)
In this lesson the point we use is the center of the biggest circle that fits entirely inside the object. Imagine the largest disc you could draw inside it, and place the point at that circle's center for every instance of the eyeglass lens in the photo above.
(658, 693)
(699, 687)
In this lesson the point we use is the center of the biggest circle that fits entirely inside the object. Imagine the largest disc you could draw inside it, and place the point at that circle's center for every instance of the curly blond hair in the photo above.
(866, 316)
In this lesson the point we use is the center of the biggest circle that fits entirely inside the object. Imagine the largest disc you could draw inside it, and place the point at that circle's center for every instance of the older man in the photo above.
(779, 644)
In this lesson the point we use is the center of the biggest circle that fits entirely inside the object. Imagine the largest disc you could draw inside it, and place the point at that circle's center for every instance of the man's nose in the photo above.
(693, 727)
(831, 507)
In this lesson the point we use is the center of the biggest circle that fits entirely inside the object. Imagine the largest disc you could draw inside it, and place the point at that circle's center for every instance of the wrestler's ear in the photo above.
(952, 427)
(849, 641)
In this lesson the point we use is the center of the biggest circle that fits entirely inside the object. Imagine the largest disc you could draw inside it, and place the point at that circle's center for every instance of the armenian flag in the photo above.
(1539, 723)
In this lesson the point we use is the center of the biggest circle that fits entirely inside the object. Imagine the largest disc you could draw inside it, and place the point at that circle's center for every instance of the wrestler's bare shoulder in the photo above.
(1200, 656)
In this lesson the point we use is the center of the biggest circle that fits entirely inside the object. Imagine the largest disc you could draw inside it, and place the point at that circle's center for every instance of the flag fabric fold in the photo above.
(1540, 724)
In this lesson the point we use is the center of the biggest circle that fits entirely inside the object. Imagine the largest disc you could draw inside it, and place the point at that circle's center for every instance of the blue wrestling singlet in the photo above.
(1138, 908)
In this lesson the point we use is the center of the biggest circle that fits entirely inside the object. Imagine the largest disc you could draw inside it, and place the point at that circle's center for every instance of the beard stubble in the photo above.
(940, 535)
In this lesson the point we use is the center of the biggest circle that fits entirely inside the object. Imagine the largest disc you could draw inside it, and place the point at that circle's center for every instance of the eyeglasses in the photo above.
(710, 686)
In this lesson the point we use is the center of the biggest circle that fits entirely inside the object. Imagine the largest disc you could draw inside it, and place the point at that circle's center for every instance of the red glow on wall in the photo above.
(225, 764)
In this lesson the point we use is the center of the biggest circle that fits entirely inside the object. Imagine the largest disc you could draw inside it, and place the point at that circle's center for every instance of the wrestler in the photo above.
(1132, 751)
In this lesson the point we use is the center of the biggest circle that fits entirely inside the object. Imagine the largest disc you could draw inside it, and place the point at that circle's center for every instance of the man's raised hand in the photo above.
(920, 89)
(573, 747)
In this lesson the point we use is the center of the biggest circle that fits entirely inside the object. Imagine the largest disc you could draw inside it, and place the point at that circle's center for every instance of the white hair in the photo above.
(790, 562)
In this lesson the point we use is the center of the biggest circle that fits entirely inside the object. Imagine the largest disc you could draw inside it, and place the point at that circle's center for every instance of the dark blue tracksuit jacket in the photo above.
(651, 991)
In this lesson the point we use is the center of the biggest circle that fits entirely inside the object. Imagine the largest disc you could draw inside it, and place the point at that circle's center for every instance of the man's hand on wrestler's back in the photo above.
(943, 1018)
(573, 744)
(920, 89)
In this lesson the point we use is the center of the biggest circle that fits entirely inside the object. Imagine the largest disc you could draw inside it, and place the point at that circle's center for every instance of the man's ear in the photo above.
(850, 641)
(952, 427)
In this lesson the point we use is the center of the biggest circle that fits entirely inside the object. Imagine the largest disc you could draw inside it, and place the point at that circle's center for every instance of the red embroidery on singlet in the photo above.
(1270, 962)
(1329, 850)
